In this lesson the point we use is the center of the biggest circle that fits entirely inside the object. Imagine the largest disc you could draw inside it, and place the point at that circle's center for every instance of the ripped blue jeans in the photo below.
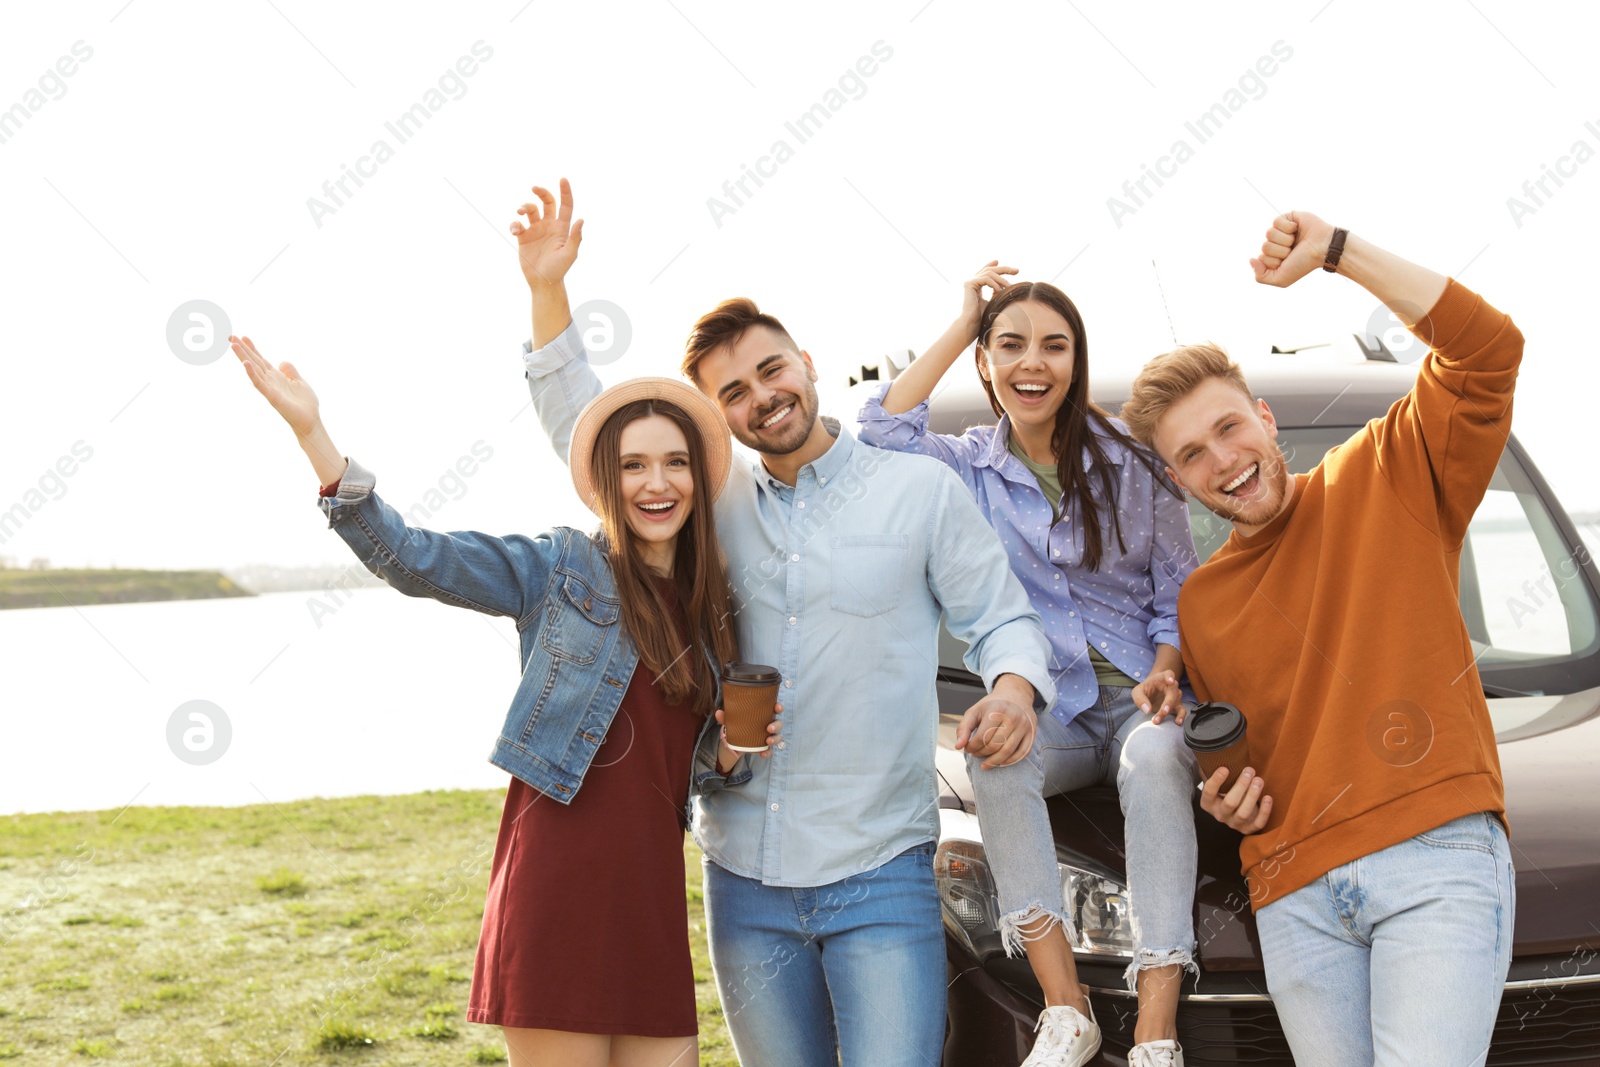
(1111, 741)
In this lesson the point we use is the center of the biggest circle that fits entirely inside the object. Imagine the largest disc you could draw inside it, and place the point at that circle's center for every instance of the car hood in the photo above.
(1549, 759)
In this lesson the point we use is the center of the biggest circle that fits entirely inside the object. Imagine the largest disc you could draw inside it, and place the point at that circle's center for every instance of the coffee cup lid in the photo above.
(1213, 725)
(750, 674)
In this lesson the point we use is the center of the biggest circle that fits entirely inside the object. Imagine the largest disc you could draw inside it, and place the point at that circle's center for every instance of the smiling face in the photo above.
(1027, 358)
(657, 484)
(1220, 445)
(765, 389)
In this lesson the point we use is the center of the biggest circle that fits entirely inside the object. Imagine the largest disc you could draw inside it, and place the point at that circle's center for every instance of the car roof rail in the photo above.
(888, 367)
(1379, 354)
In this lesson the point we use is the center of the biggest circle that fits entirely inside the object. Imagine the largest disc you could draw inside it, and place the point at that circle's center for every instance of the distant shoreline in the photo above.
(76, 587)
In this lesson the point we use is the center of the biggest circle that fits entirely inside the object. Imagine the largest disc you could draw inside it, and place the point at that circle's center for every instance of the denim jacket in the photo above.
(576, 659)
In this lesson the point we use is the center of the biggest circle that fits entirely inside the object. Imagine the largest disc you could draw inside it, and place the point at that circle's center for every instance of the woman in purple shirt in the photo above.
(1100, 539)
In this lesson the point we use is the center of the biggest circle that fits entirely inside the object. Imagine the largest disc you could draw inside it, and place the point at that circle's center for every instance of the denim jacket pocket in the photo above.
(578, 621)
(868, 573)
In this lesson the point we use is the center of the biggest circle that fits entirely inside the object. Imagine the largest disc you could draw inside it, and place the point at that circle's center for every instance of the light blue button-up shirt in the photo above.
(1127, 606)
(839, 581)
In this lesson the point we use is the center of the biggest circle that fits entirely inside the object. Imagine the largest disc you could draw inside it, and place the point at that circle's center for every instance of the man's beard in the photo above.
(1274, 487)
(796, 426)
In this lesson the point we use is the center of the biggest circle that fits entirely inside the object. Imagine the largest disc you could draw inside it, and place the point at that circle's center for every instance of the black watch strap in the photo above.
(1335, 249)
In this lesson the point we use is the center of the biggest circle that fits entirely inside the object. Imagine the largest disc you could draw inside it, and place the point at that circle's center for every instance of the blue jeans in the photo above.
(847, 973)
(1155, 775)
(1398, 957)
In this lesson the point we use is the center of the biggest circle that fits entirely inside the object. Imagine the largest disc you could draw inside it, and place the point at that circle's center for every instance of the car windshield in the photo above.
(1532, 617)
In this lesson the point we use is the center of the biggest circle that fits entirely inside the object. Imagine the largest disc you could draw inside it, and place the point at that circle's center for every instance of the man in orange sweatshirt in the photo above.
(1381, 881)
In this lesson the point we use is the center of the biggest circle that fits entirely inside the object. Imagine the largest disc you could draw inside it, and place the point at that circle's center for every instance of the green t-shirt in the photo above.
(1047, 474)
(1105, 672)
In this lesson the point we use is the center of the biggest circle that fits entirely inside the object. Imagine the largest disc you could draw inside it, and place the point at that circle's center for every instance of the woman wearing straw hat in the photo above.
(584, 955)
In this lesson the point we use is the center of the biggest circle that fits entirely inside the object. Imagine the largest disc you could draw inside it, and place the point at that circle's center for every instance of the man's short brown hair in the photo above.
(723, 325)
(1169, 378)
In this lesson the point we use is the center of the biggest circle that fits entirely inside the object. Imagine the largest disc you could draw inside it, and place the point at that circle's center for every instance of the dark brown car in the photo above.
(1530, 594)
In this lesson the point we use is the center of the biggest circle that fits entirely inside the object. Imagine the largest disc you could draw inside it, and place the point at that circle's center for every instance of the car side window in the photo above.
(1522, 588)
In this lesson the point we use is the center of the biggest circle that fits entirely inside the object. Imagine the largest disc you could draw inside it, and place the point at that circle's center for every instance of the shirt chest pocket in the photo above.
(868, 573)
(577, 620)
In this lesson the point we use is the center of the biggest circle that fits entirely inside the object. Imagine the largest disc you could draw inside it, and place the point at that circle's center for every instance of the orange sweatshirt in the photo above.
(1337, 628)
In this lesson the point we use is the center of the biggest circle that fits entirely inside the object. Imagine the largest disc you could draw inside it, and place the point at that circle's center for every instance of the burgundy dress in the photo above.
(586, 927)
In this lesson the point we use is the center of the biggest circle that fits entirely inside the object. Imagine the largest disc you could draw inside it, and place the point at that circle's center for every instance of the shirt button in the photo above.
(1058, 577)
(800, 504)
(822, 481)
(795, 558)
(788, 683)
(774, 807)
(1072, 614)
(782, 744)
(1102, 644)
(1058, 552)
(793, 620)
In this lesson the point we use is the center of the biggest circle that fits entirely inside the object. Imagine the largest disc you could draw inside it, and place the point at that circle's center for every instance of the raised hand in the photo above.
(1296, 245)
(973, 304)
(548, 244)
(291, 397)
(288, 393)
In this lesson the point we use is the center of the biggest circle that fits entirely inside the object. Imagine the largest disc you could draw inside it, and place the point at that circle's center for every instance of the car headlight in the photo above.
(1100, 909)
(1099, 906)
(966, 892)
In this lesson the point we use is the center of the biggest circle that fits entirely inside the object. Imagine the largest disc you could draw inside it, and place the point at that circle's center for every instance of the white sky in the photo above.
(178, 162)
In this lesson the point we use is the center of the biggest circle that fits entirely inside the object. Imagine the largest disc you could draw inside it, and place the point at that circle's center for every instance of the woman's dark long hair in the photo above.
(680, 671)
(1080, 425)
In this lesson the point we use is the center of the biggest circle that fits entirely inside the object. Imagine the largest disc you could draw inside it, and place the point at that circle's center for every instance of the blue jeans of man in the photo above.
(1398, 957)
(849, 973)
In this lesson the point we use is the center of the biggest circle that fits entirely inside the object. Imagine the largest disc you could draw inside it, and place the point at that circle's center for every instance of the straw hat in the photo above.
(706, 418)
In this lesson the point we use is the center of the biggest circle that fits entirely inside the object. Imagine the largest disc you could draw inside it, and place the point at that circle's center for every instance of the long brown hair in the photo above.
(1080, 425)
(681, 671)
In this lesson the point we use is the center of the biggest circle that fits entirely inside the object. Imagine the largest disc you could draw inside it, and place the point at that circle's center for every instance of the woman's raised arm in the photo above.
(291, 396)
(547, 246)
(917, 382)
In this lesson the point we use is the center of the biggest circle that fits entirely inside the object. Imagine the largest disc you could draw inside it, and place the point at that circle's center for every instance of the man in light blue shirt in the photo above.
(821, 906)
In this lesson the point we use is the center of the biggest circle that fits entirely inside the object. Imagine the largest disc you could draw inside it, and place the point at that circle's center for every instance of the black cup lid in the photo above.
(1213, 725)
(750, 674)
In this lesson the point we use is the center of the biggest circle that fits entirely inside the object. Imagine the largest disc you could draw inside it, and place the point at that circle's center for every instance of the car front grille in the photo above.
(1557, 1024)
(1237, 1032)
(1545, 1025)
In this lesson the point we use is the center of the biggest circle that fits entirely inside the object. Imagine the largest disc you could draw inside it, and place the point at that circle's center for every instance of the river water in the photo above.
(375, 693)
(380, 694)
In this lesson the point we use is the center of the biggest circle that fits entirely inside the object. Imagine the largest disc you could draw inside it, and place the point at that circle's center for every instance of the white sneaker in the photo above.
(1156, 1054)
(1067, 1038)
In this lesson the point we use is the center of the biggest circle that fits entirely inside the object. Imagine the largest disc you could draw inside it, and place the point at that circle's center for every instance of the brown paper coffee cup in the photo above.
(1216, 733)
(749, 691)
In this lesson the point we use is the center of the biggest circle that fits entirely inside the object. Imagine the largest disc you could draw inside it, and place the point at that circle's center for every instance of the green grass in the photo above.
(283, 883)
(327, 932)
(336, 1036)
